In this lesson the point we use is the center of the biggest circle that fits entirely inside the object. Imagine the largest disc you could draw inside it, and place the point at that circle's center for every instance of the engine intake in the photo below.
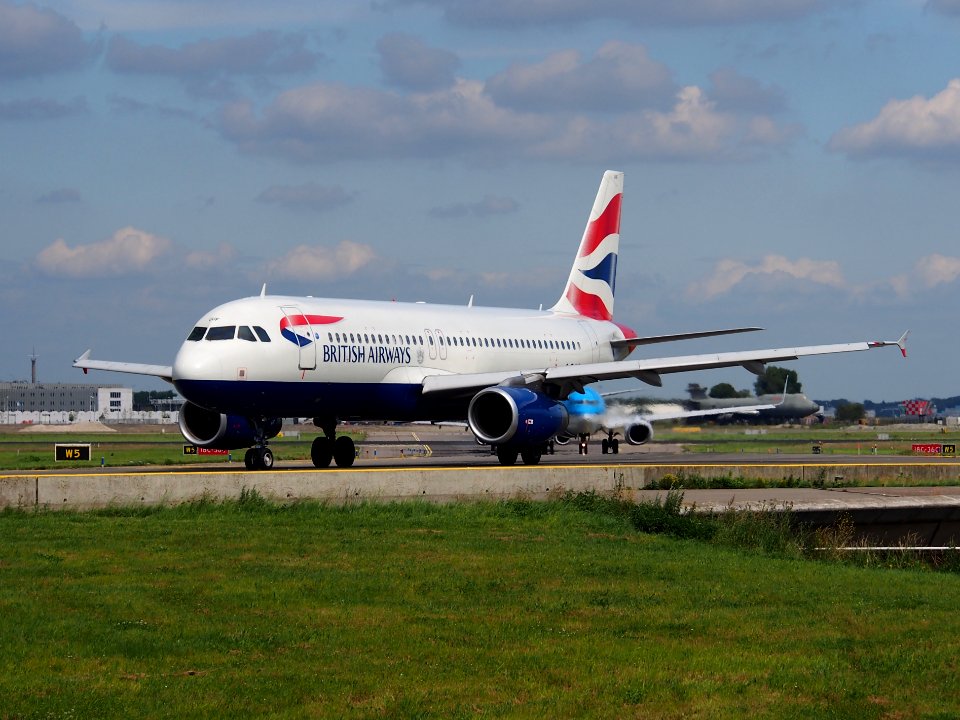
(512, 415)
(638, 433)
(210, 429)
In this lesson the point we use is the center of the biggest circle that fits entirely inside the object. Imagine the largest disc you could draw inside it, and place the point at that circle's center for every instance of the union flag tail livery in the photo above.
(592, 281)
(517, 376)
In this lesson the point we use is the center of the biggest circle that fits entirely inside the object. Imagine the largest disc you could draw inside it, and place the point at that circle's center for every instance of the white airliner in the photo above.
(510, 373)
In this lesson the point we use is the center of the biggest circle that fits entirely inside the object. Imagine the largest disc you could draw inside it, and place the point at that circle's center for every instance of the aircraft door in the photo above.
(431, 344)
(296, 328)
(442, 341)
(590, 341)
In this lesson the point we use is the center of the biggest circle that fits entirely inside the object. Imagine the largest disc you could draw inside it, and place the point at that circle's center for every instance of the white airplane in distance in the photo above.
(589, 414)
(251, 362)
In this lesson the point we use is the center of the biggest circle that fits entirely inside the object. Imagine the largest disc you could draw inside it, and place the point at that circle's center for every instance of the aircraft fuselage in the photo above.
(303, 356)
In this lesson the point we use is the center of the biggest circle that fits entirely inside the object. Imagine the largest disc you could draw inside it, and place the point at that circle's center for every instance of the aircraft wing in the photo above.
(649, 371)
(681, 414)
(85, 363)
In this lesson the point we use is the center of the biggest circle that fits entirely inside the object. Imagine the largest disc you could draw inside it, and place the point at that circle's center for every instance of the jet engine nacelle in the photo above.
(210, 429)
(638, 433)
(514, 415)
(562, 439)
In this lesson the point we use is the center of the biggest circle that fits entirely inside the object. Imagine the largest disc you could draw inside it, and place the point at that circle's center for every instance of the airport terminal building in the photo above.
(27, 397)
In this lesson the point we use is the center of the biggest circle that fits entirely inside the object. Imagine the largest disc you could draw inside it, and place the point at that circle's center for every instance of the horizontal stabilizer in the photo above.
(652, 339)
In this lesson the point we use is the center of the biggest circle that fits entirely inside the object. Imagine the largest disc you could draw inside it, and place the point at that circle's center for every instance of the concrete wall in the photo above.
(92, 490)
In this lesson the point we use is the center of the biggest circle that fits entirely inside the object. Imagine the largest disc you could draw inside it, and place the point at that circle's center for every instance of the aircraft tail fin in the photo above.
(592, 281)
(697, 391)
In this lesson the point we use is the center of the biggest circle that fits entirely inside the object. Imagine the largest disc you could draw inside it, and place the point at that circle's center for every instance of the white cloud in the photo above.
(921, 127)
(38, 41)
(618, 105)
(223, 255)
(620, 76)
(309, 196)
(312, 262)
(693, 129)
(127, 250)
(407, 62)
(266, 52)
(927, 273)
(326, 122)
(511, 13)
(728, 274)
(731, 90)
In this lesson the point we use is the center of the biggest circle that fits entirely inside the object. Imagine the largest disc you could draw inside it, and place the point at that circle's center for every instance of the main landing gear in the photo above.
(530, 454)
(340, 450)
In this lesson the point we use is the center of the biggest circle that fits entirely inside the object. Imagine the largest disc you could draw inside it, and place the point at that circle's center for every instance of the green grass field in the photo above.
(516, 609)
(800, 439)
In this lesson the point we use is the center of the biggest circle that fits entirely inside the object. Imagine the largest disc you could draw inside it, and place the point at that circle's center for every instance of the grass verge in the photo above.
(513, 609)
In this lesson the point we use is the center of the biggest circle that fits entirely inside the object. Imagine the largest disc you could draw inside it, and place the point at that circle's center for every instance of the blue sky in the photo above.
(789, 163)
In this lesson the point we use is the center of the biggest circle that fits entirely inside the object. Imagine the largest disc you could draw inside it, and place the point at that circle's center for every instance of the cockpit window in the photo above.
(261, 333)
(245, 333)
(222, 332)
(196, 334)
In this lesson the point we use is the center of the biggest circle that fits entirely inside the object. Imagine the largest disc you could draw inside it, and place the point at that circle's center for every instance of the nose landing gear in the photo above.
(258, 458)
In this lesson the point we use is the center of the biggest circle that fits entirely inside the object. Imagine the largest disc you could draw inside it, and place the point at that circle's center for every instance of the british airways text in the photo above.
(361, 354)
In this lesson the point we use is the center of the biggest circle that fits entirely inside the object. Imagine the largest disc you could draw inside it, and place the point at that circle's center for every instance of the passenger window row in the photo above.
(454, 341)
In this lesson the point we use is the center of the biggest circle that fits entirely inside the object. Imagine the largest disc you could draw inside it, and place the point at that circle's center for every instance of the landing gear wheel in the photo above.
(531, 456)
(321, 452)
(615, 446)
(263, 458)
(604, 446)
(344, 452)
(248, 459)
(506, 455)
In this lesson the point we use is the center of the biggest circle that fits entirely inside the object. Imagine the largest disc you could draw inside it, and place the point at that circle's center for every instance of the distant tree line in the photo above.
(143, 399)
(771, 382)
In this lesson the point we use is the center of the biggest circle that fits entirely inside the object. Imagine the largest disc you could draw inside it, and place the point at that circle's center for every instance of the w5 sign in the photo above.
(934, 449)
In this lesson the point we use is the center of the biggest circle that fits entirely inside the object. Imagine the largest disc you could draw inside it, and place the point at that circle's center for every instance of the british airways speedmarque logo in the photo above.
(304, 322)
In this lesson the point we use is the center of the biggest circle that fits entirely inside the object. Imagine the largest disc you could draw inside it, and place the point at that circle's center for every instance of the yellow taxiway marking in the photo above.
(219, 469)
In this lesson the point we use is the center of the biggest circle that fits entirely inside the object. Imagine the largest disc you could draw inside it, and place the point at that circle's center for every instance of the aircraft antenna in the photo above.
(263, 290)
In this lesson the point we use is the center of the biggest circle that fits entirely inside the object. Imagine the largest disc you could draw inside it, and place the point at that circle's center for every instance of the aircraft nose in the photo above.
(192, 363)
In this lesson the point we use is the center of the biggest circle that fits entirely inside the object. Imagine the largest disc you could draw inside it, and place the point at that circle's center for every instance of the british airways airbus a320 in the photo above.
(517, 377)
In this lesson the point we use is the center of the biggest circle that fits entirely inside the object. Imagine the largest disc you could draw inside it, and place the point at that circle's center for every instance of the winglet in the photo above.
(83, 358)
(901, 343)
